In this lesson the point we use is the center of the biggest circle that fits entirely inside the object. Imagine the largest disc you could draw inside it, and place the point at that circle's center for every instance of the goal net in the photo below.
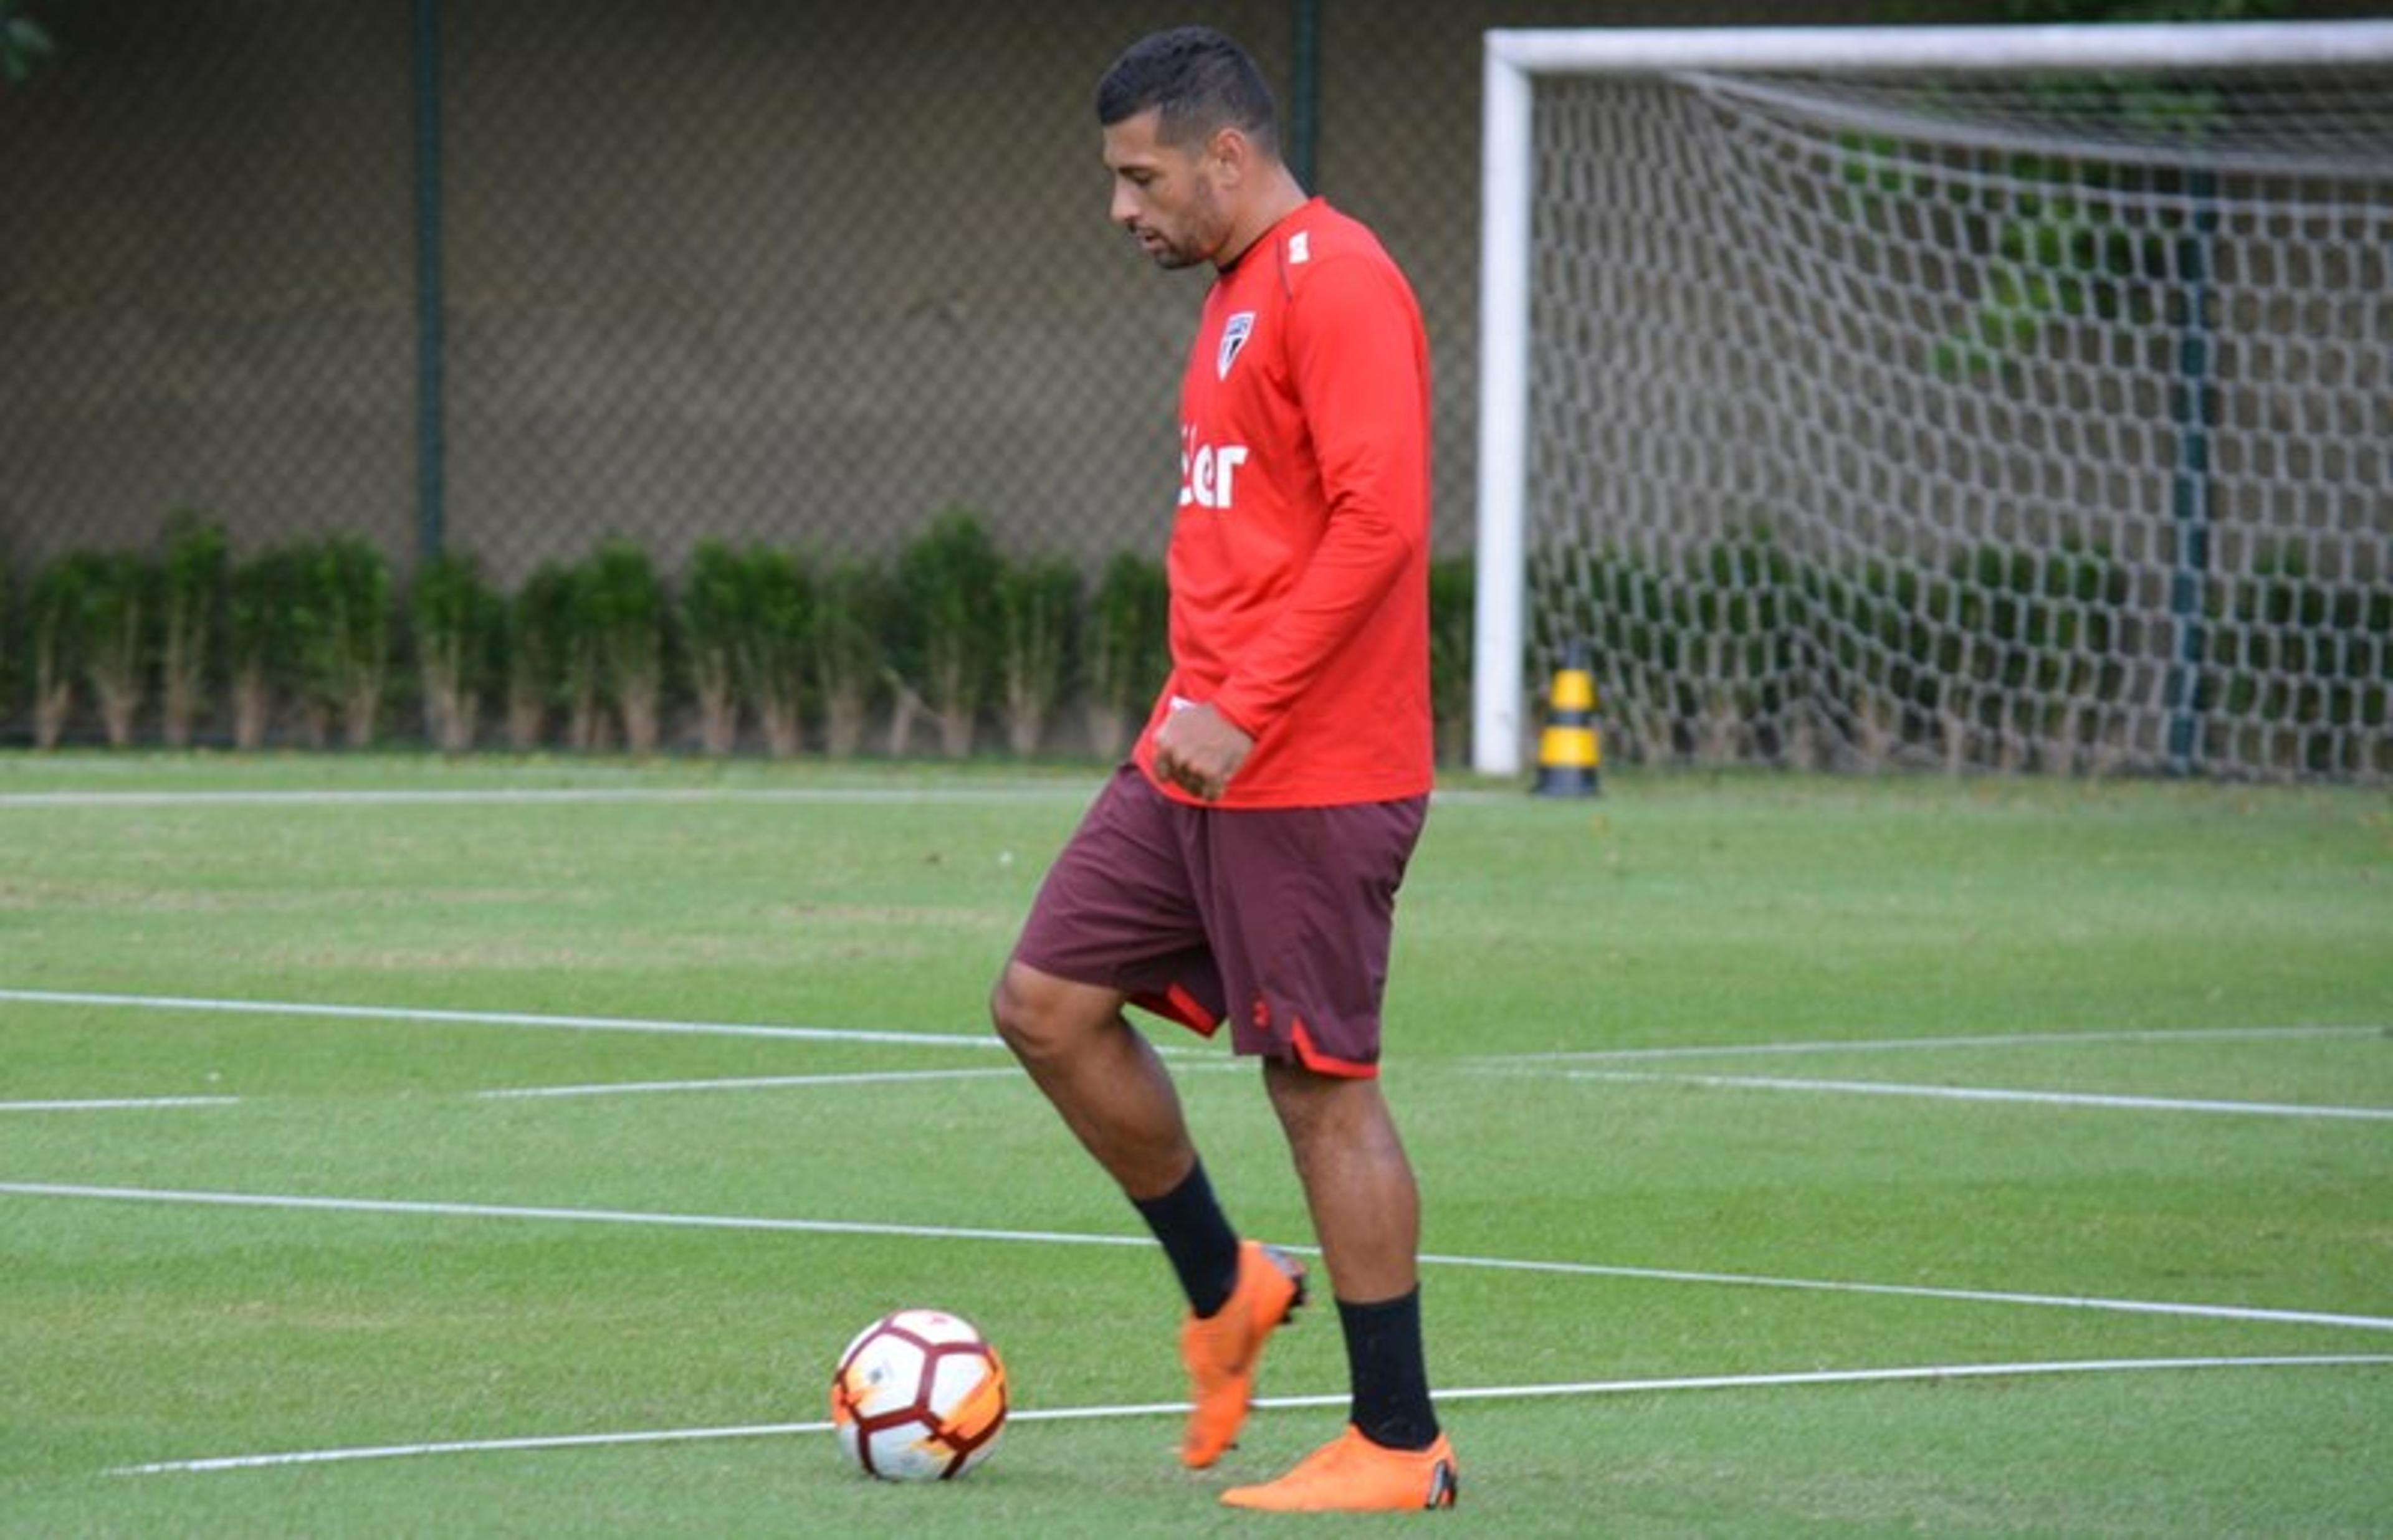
(1968, 397)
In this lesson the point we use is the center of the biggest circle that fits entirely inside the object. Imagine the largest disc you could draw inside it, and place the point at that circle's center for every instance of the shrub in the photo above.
(192, 599)
(547, 666)
(1451, 621)
(343, 632)
(262, 627)
(457, 621)
(620, 611)
(947, 580)
(58, 621)
(1125, 652)
(1037, 604)
(7, 639)
(716, 622)
(120, 612)
(773, 664)
(2301, 665)
(845, 648)
(743, 620)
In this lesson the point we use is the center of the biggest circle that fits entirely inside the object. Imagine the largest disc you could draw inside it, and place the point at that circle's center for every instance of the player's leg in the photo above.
(1358, 1182)
(1366, 1210)
(1116, 907)
(1113, 1094)
(1313, 965)
(1100, 1073)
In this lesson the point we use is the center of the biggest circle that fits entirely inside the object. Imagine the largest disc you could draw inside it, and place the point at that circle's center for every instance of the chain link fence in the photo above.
(515, 280)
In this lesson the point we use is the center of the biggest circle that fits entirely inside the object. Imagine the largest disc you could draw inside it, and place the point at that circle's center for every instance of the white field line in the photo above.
(498, 1018)
(758, 1082)
(769, 1082)
(627, 1088)
(122, 1104)
(1890, 1045)
(947, 1232)
(502, 796)
(1086, 1413)
(583, 1216)
(832, 796)
(1983, 1093)
(525, 1093)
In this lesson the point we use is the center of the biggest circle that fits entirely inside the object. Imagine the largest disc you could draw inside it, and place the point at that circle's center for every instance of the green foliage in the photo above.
(619, 613)
(1452, 586)
(341, 630)
(716, 622)
(2307, 662)
(119, 596)
(2053, 246)
(550, 666)
(8, 650)
(1039, 604)
(458, 622)
(1126, 649)
(947, 579)
(194, 576)
(23, 44)
(2002, 654)
(744, 623)
(262, 639)
(845, 648)
(774, 664)
(59, 623)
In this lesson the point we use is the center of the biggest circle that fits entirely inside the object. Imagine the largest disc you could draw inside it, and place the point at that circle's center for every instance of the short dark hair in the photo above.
(1199, 80)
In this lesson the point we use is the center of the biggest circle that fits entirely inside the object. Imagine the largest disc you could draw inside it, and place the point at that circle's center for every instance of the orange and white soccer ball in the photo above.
(919, 1396)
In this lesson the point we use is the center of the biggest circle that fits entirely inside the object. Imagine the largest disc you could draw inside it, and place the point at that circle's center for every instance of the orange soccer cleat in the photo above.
(1352, 1474)
(1221, 1349)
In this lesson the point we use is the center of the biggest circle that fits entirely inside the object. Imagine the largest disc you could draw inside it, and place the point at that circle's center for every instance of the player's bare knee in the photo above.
(1312, 1107)
(1010, 1012)
(1033, 1018)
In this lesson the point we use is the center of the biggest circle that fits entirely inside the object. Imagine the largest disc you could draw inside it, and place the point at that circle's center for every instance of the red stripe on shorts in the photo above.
(1319, 1063)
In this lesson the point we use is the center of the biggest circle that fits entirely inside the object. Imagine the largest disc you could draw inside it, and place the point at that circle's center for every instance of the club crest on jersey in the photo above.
(1234, 332)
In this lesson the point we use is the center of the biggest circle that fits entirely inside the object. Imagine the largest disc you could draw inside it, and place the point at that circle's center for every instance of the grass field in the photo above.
(1758, 1118)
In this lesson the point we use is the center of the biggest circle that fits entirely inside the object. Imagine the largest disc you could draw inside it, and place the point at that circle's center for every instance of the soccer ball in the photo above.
(919, 1396)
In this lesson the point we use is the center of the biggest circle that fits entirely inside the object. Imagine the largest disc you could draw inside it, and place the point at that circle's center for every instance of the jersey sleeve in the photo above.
(1357, 368)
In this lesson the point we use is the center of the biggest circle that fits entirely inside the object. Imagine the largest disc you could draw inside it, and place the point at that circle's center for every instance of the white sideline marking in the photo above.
(761, 1082)
(625, 1087)
(121, 1103)
(500, 1018)
(1981, 1093)
(844, 1227)
(1086, 1414)
(585, 1216)
(1876, 1045)
(1017, 792)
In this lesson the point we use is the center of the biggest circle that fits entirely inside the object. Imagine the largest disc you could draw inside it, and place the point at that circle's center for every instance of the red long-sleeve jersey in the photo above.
(1299, 560)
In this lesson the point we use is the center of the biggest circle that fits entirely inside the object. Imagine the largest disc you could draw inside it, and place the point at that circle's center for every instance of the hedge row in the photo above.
(2002, 656)
(759, 647)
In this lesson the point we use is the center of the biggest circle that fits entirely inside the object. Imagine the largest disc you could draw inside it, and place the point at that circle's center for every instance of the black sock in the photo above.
(1198, 1237)
(1383, 1354)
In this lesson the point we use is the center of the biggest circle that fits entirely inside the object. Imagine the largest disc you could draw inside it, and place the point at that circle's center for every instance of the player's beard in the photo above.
(1200, 236)
(1172, 258)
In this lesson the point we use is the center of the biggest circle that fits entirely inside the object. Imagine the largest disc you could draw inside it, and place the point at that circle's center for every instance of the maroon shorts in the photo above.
(1275, 919)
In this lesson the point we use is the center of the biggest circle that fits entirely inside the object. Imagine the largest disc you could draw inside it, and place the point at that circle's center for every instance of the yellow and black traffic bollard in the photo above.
(1569, 756)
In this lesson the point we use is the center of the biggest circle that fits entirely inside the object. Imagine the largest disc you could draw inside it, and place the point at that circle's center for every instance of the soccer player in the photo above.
(1243, 866)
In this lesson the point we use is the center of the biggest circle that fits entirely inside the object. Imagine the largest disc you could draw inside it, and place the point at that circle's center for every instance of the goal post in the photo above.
(2008, 396)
